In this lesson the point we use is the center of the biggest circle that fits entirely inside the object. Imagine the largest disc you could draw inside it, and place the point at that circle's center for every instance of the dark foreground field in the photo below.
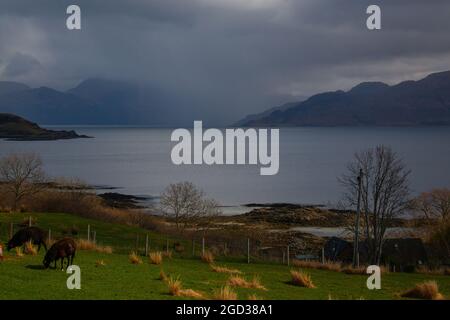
(24, 278)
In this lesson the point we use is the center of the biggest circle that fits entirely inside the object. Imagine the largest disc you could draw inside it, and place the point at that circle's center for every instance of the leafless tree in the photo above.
(384, 193)
(434, 206)
(187, 205)
(21, 175)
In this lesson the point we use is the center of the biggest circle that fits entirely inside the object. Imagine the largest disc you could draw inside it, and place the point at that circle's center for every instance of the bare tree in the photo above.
(434, 206)
(22, 176)
(187, 205)
(384, 193)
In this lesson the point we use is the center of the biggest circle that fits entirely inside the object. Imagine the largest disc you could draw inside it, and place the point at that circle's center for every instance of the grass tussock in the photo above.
(163, 276)
(330, 266)
(428, 290)
(238, 281)
(225, 293)
(167, 254)
(100, 263)
(208, 257)
(356, 270)
(134, 258)
(301, 279)
(220, 269)
(445, 271)
(19, 252)
(83, 244)
(155, 257)
(253, 297)
(175, 287)
(30, 249)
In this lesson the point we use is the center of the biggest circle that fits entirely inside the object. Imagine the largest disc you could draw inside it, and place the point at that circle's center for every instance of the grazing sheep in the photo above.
(64, 248)
(33, 234)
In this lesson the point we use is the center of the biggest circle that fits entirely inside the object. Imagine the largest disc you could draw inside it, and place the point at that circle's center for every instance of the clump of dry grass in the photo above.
(174, 285)
(225, 293)
(155, 257)
(19, 252)
(220, 269)
(83, 244)
(352, 270)
(134, 258)
(176, 289)
(238, 281)
(167, 254)
(253, 297)
(428, 290)
(100, 263)
(208, 257)
(162, 275)
(301, 279)
(436, 271)
(331, 266)
(30, 248)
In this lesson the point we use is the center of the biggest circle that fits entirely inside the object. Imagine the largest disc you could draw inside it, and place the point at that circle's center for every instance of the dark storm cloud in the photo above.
(227, 58)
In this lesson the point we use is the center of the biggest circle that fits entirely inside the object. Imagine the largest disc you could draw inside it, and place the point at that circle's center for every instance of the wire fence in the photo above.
(242, 249)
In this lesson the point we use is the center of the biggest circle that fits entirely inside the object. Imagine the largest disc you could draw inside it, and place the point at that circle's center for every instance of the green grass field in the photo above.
(23, 277)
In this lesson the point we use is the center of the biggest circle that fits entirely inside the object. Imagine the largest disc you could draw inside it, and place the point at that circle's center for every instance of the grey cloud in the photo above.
(20, 65)
(227, 58)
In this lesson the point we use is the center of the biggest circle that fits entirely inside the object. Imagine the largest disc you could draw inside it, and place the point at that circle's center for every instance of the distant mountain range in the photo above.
(93, 101)
(409, 103)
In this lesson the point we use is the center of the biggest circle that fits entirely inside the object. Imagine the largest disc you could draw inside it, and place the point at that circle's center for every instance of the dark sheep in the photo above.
(64, 248)
(33, 234)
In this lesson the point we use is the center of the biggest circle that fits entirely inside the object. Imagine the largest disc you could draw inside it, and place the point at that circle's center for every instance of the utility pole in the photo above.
(358, 213)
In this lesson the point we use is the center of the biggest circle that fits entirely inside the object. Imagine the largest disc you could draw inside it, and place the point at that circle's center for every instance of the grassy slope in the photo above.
(23, 278)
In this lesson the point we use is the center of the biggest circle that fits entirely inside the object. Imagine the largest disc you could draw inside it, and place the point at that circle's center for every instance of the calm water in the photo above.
(137, 160)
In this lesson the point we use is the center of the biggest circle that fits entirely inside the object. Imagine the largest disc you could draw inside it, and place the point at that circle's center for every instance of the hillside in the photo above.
(13, 127)
(410, 103)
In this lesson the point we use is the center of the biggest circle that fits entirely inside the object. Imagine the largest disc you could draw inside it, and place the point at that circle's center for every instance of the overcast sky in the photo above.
(228, 57)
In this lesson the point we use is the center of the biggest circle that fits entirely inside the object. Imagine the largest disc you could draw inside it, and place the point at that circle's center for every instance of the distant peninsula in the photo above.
(15, 128)
(425, 102)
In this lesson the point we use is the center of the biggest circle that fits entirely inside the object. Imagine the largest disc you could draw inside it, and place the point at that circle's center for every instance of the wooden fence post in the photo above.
(248, 250)
(49, 235)
(146, 244)
(323, 255)
(95, 237)
(203, 246)
(287, 255)
(89, 233)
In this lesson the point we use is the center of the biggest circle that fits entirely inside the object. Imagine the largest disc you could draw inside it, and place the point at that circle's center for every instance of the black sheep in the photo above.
(64, 248)
(33, 234)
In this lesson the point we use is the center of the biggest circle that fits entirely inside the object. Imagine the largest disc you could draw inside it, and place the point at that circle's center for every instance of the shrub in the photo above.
(208, 257)
(155, 257)
(351, 270)
(134, 258)
(224, 269)
(301, 279)
(427, 290)
(225, 293)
